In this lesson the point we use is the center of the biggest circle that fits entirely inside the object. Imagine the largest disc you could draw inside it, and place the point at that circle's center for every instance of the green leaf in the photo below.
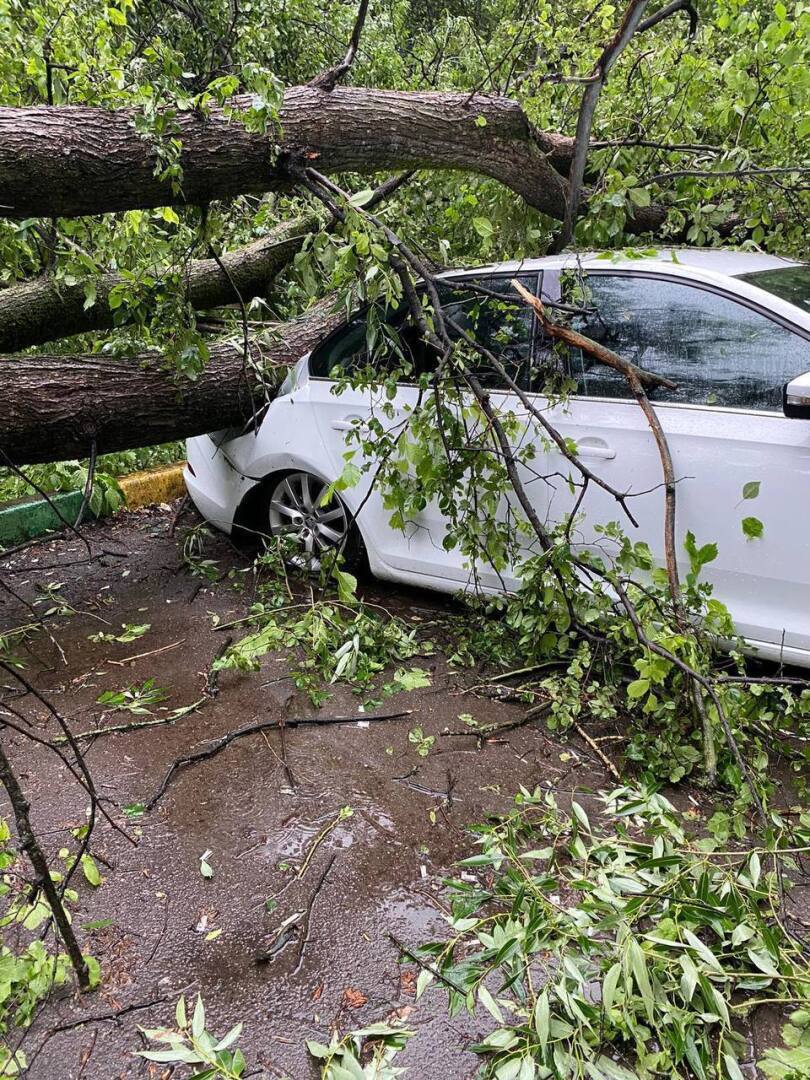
(93, 970)
(609, 986)
(733, 1070)
(490, 1004)
(90, 870)
(97, 924)
(638, 688)
(347, 586)
(116, 17)
(703, 951)
(483, 226)
(230, 1038)
(638, 965)
(198, 1019)
(639, 196)
(541, 1019)
(751, 489)
(752, 528)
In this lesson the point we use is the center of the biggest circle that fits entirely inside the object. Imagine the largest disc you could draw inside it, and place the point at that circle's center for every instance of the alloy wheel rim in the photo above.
(296, 512)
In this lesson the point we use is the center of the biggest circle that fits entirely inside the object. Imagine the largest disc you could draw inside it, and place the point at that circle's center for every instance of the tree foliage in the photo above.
(687, 124)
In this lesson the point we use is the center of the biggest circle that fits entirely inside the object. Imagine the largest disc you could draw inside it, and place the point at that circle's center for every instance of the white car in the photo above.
(731, 329)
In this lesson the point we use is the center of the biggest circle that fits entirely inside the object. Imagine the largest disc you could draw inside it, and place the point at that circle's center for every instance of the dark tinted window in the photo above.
(486, 307)
(791, 283)
(489, 310)
(352, 347)
(717, 350)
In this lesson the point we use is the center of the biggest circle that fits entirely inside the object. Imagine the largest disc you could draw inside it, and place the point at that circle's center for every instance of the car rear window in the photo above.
(791, 283)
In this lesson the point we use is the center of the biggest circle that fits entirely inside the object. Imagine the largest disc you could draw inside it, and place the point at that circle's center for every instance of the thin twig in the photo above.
(215, 747)
(143, 655)
(611, 768)
(425, 966)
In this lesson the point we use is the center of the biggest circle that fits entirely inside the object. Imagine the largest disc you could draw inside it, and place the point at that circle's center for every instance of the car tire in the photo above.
(287, 502)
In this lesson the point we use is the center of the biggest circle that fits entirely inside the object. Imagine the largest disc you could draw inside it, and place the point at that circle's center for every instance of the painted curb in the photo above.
(159, 485)
(25, 521)
(28, 520)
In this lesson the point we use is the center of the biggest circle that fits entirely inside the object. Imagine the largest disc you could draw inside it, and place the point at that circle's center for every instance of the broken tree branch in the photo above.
(73, 160)
(328, 80)
(587, 111)
(44, 881)
(215, 747)
(45, 308)
(53, 406)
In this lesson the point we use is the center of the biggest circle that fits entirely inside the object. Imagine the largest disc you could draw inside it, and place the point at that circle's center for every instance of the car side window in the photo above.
(488, 308)
(346, 351)
(717, 350)
(505, 327)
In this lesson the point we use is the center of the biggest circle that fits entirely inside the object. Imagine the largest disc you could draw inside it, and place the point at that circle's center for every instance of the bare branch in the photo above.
(590, 99)
(44, 881)
(669, 10)
(328, 80)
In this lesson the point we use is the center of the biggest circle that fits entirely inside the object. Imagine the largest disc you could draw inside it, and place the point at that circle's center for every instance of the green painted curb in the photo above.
(35, 517)
(26, 520)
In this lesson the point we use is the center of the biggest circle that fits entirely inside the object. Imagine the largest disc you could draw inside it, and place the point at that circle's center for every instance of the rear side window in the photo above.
(355, 345)
(488, 309)
(485, 307)
(717, 350)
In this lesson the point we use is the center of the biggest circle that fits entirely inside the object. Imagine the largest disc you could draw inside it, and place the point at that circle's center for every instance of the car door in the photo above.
(738, 460)
(420, 548)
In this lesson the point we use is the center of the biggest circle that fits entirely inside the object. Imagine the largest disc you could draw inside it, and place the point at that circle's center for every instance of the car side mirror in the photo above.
(796, 397)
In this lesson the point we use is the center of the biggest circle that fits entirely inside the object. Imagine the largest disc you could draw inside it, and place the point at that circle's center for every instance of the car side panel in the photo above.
(765, 581)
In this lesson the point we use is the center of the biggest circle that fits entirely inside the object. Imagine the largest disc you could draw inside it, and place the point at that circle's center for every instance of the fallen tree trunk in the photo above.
(44, 309)
(65, 161)
(54, 407)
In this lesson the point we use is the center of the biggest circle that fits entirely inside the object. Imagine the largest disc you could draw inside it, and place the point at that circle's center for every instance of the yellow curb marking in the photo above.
(159, 485)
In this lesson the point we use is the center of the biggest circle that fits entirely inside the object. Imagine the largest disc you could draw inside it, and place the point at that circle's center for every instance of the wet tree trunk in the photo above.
(44, 309)
(53, 407)
(64, 161)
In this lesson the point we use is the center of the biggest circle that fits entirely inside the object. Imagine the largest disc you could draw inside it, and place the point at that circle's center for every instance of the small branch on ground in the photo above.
(44, 882)
(215, 747)
(211, 688)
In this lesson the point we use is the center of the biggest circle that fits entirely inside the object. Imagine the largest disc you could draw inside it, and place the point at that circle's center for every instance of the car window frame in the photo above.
(453, 279)
(704, 286)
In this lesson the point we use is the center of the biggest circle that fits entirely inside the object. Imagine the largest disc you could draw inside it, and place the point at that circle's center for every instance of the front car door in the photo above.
(726, 433)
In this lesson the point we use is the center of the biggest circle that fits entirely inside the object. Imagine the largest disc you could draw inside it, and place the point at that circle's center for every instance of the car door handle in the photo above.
(595, 448)
(349, 423)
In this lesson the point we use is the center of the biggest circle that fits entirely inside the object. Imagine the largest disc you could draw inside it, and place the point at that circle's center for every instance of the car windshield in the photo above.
(790, 283)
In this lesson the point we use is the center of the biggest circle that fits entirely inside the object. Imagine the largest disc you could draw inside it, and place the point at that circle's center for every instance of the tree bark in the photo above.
(53, 407)
(65, 161)
(44, 309)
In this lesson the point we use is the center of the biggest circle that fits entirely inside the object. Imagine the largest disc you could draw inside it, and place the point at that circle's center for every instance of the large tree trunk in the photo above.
(45, 309)
(53, 407)
(64, 161)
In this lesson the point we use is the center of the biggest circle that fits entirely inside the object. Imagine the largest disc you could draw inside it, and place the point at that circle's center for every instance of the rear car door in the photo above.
(738, 460)
(507, 329)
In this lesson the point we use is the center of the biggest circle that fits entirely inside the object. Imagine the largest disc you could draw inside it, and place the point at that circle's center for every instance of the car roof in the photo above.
(725, 261)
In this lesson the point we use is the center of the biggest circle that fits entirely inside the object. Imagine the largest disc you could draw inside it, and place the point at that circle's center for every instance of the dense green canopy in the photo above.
(703, 126)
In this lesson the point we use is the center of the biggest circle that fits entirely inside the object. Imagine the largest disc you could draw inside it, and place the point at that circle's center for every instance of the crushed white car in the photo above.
(730, 329)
